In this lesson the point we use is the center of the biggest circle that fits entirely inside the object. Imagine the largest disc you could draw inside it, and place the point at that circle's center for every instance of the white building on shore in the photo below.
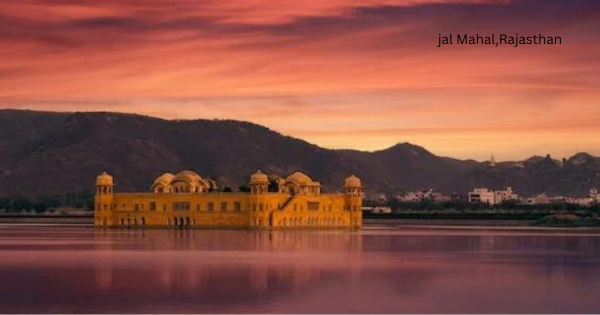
(593, 197)
(485, 195)
(482, 195)
(541, 199)
(505, 195)
(428, 194)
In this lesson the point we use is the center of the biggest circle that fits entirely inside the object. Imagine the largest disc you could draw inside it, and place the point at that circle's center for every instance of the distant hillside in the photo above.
(43, 153)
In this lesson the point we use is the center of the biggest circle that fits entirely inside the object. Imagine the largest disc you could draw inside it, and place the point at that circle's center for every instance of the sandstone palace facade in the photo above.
(186, 200)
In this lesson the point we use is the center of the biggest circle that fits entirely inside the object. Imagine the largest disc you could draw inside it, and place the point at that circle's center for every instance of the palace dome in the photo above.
(299, 178)
(259, 178)
(164, 179)
(104, 180)
(353, 182)
(187, 176)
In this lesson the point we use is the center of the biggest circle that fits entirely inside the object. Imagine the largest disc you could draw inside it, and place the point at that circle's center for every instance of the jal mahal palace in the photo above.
(186, 200)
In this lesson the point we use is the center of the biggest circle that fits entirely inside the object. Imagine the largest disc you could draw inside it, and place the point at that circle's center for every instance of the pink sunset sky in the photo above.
(360, 74)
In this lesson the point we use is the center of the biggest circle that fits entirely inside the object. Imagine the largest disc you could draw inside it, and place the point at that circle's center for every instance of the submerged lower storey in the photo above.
(241, 210)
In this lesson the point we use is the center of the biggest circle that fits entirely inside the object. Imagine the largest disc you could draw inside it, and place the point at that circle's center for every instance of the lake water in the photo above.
(376, 270)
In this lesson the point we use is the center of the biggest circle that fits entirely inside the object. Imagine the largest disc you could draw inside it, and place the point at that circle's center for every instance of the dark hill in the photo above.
(43, 153)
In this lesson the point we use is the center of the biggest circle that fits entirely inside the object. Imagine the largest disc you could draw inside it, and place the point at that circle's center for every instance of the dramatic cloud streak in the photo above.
(356, 74)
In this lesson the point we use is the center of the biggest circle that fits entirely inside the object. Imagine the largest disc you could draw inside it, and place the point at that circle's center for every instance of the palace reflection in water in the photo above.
(66, 270)
(259, 261)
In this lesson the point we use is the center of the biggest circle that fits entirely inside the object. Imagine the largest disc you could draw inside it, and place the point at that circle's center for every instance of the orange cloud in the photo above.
(359, 74)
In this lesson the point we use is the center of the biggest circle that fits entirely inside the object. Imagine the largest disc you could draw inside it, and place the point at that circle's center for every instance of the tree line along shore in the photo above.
(553, 214)
(64, 204)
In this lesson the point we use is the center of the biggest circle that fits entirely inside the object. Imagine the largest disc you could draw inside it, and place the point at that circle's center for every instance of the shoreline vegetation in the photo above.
(547, 220)
(63, 204)
(551, 214)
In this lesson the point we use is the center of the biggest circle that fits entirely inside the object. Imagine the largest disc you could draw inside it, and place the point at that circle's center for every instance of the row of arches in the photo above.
(181, 222)
(257, 222)
(311, 222)
(132, 222)
(187, 222)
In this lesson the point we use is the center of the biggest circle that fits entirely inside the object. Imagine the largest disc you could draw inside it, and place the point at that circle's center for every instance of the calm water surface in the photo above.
(377, 270)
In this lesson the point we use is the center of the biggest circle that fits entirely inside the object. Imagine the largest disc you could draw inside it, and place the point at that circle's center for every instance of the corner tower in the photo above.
(353, 191)
(103, 199)
(259, 183)
(259, 216)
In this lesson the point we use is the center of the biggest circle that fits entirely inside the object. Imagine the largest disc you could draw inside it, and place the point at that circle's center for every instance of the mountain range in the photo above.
(46, 153)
